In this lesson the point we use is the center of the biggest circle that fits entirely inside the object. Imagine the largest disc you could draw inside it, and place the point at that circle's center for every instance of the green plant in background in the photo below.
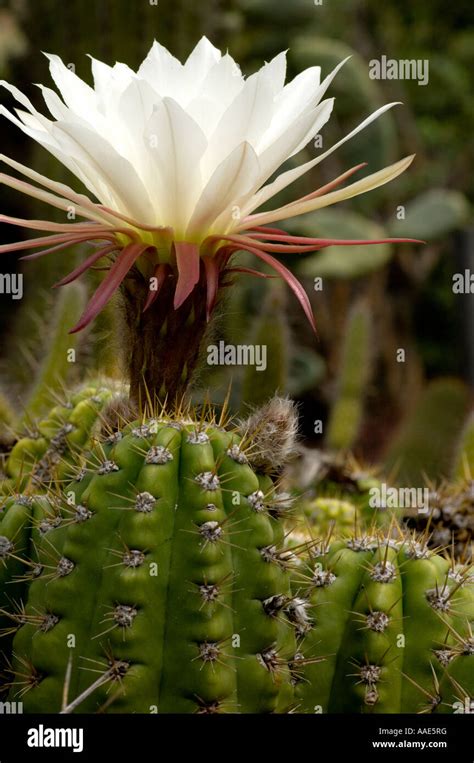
(324, 514)
(271, 332)
(6, 418)
(354, 373)
(394, 281)
(464, 464)
(13, 43)
(337, 262)
(314, 32)
(257, 312)
(55, 370)
(428, 439)
(355, 89)
(432, 215)
(334, 490)
(36, 437)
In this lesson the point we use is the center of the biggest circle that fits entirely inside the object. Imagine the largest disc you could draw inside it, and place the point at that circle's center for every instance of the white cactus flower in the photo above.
(177, 159)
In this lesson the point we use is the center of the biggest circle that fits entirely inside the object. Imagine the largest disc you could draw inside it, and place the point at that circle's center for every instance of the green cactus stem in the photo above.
(43, 450)
(390, 629)
(164, 561)
(164, 567)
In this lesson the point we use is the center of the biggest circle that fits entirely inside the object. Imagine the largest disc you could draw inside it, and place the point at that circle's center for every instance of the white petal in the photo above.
(117, 127)
(247, 118)
(296, 138)
(288, 177)
(101, 73)
(232, 178)
(327, 80)
(21, 98)
(56, 106)
(50, 143)
(109, 83)
(204, 112)
(297, 96)
(301, 89)
(134, 108)
(275, 72)
(35, 121)
(304, 128)
(222, 84)
(223, 81)
(201, 60)
(302, 93)
(60, 191)
(355, 189)
(32, 124)
(162, 71)
(177, 144)
(113, 176)
(75, 92)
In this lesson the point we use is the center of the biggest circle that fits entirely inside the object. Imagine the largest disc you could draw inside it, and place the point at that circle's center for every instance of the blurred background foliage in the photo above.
(406, 411)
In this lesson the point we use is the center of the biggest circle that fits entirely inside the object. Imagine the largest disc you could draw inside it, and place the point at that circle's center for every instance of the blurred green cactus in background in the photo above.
(464, 465)
(354, 374)
(55, 371)
(338, 261)
(271, 332)
(428, 439)
(431, 215)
